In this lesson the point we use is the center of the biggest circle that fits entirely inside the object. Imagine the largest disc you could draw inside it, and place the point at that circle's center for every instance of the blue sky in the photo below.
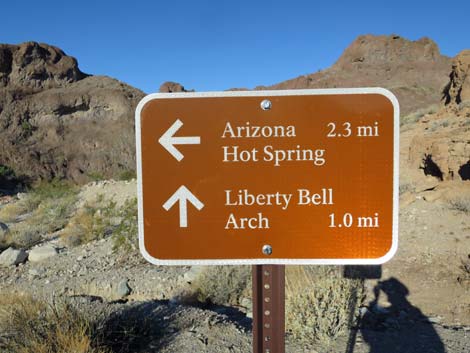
(216, 45)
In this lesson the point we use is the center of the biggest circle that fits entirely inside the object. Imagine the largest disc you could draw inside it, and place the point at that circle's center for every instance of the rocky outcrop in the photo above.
(172, 87)
(57, 122)
(442, 148)
(36, 66)
(414, 70)
(457, 91)
(444, 155)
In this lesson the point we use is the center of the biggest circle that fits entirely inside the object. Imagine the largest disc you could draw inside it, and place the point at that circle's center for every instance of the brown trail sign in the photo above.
(268, 178)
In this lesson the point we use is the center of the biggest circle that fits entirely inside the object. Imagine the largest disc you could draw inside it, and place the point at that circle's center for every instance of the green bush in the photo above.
(125, 234)
(92, 222)
(103, 219)
(6, 171)
(127, 175)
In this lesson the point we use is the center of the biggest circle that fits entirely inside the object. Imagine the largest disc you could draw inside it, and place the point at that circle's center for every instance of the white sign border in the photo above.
(274, 261)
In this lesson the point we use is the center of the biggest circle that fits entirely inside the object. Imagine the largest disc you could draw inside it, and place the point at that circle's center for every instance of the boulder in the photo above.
(11, 257)
(42, 253)
(122, 289)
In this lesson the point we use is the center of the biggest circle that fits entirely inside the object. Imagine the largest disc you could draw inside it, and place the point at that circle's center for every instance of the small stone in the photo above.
(11, 257)
(42, 253)
(122, 289)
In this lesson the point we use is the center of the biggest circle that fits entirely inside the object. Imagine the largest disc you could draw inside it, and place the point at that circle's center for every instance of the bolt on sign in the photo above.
(268, 177)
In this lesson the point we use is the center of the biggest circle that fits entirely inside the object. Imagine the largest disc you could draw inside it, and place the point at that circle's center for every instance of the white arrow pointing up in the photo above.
(183, 195)
(168, 140)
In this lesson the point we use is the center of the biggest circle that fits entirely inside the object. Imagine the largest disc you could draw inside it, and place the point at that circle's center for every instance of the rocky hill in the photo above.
(58, 122)
(414, 71)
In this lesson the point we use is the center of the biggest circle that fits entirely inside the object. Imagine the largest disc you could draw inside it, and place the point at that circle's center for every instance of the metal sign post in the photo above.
(268, 308)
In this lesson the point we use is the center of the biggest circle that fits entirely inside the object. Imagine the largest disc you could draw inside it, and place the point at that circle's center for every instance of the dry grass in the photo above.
(222, 285)
(28, 325)
(101, 219)
(12, 211)
(43, 211)
(320, 303)
(417, 115)
(86, 225)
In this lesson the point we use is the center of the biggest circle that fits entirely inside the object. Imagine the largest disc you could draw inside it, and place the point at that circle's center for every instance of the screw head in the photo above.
(266, 104)
(267, 249)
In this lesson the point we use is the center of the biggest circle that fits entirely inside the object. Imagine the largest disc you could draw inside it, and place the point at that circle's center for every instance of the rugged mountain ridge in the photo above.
(414, 71)
(58, 122)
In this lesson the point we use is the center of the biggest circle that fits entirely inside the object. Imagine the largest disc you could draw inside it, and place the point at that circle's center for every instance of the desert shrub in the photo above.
(461, 204)
(29, 325)
(96, 176)
(464, 270)
(405, 187)
(127, 175)
(91, 222)
(320, 303)
(6, 171)
(222, 285)
(417, 115)
(20, 239)
(12, 211)
(125, 234)
(102, 219)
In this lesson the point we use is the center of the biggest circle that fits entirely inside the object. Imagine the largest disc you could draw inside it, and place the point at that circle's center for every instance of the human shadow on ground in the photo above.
(399, 328)
(141, 326)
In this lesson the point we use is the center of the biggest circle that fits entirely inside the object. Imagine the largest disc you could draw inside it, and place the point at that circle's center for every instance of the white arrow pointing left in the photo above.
(183, 195)
(169, 141)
